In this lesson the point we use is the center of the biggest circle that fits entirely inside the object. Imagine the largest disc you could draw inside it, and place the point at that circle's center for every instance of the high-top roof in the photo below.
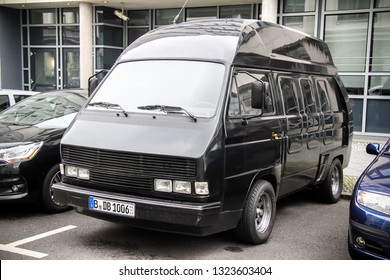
(249, 43)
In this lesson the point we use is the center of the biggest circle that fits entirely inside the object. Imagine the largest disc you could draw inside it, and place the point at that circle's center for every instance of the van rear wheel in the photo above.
(258, 215)
(330, 190)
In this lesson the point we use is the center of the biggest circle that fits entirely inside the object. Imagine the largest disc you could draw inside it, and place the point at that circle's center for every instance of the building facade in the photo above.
(54, 44)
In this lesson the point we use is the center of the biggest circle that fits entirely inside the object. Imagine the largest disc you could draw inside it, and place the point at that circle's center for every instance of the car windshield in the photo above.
(51, 109)
(193, 86)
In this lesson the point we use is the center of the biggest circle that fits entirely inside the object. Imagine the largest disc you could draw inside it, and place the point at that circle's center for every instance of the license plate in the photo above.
(111, 206)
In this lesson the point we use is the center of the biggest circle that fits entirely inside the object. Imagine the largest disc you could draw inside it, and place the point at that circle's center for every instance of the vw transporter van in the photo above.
(201, 127)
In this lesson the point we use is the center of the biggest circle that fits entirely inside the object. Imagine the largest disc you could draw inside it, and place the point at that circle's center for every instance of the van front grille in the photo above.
(114, 169)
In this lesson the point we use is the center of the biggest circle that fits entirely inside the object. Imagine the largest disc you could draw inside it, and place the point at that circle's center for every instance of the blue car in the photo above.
(369, 223)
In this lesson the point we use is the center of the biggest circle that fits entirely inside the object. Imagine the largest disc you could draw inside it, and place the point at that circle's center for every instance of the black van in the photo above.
(200, 127)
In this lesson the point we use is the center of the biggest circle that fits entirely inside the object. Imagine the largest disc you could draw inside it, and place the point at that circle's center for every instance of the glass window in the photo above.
(72, 68)
(44, 16)
(106, 15)
(354, 84)
(24, 16)
(239, 11)
(307, 92)
(18, 97)
(381, 42)
(4, 102)
(70, 16)
(201, 13)
(337, 5)
(341, 33)
(106, 57)
(296, 6)
(70, 35)
(25, 40)
(196, 86)
(166, 16)
(378, 116)
(379, 85)
(138, 18)
(241, 95)
(26, 56)
(109, 36)
(302, 23)
(135, 33)
(322, 93)
(382, 3)
(357, 112)
(43, 35)
(289, 96)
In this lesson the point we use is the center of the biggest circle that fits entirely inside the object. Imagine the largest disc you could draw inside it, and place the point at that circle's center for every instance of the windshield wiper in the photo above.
(169, 109)
(109, 105)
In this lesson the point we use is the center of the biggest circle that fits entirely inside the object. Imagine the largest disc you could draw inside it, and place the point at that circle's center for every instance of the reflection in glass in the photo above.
(109, 36)
(201, 13)
(106, 57)
(302, 23)
(70, 35)
(138, 18)
(346, 36)
(379, 85)
(106, 15)
(337, 5)
(72, 68)
(237, 11)
(166, 16)
(381, 42)
(357, 112)
(135, 33)
(43, 67)
(296, 6)
(382, 3)
(354, 84)
(378, 116)
(43, 35)
(43, 16)
(70, 15)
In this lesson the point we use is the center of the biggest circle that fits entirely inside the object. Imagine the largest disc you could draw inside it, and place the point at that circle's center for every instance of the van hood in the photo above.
(160, 135)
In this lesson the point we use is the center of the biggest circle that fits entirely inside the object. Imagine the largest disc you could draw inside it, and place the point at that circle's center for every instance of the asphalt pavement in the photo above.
(359, 160)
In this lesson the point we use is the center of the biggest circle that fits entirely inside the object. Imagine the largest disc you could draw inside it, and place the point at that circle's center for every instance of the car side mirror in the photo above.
(258, 94)
(373, 149)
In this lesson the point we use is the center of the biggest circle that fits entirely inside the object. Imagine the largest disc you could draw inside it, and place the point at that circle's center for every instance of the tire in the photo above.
(49, 205)
(330, 190)
(258, 215)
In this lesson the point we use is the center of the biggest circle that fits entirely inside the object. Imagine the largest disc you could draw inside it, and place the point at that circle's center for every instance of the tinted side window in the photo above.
(334, 95)
(289, 97)
(324, 102)
(4, 102)
(241, 95)
(307, 92)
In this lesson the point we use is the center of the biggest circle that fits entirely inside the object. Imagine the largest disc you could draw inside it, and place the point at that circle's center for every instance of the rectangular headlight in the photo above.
(70, 171)
(162, 185)
(182, 187)
(202, 188)
(83, 173)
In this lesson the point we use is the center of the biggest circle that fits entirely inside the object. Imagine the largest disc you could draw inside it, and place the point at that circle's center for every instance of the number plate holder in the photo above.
(111, 206)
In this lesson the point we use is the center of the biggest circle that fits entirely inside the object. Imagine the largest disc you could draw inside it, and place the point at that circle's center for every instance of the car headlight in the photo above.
(20, 153)
(375, 201)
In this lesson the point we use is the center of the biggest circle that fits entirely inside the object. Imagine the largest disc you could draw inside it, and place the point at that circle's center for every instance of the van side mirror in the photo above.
(373, 149)
(258, 94)
(94, 80)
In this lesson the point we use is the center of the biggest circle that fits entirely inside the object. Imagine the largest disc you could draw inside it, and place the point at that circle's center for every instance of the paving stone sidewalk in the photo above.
(358, 162)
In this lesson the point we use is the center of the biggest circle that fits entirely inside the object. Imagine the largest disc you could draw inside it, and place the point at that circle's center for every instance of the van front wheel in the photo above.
(330, 190)
(258, 215)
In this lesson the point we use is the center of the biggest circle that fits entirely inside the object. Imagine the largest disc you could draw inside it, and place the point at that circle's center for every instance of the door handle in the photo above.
(277, 136)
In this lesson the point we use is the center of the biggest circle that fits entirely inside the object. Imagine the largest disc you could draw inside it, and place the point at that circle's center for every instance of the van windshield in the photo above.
(195, 86)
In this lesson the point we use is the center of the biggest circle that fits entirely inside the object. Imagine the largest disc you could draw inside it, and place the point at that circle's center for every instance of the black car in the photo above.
(30, 134)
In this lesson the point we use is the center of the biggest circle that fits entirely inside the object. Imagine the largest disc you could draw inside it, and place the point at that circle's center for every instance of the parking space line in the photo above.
(12, 247)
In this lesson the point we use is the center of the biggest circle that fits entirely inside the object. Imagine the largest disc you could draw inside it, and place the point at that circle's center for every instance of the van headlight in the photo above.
(19, 153)
(375, 201)
(75, 172)
(178, 186)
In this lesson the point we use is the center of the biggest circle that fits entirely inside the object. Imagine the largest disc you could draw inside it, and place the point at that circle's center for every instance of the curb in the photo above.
(348, 185)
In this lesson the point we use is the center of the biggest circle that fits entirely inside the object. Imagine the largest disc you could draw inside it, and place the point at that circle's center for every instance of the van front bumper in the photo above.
(199, 219)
